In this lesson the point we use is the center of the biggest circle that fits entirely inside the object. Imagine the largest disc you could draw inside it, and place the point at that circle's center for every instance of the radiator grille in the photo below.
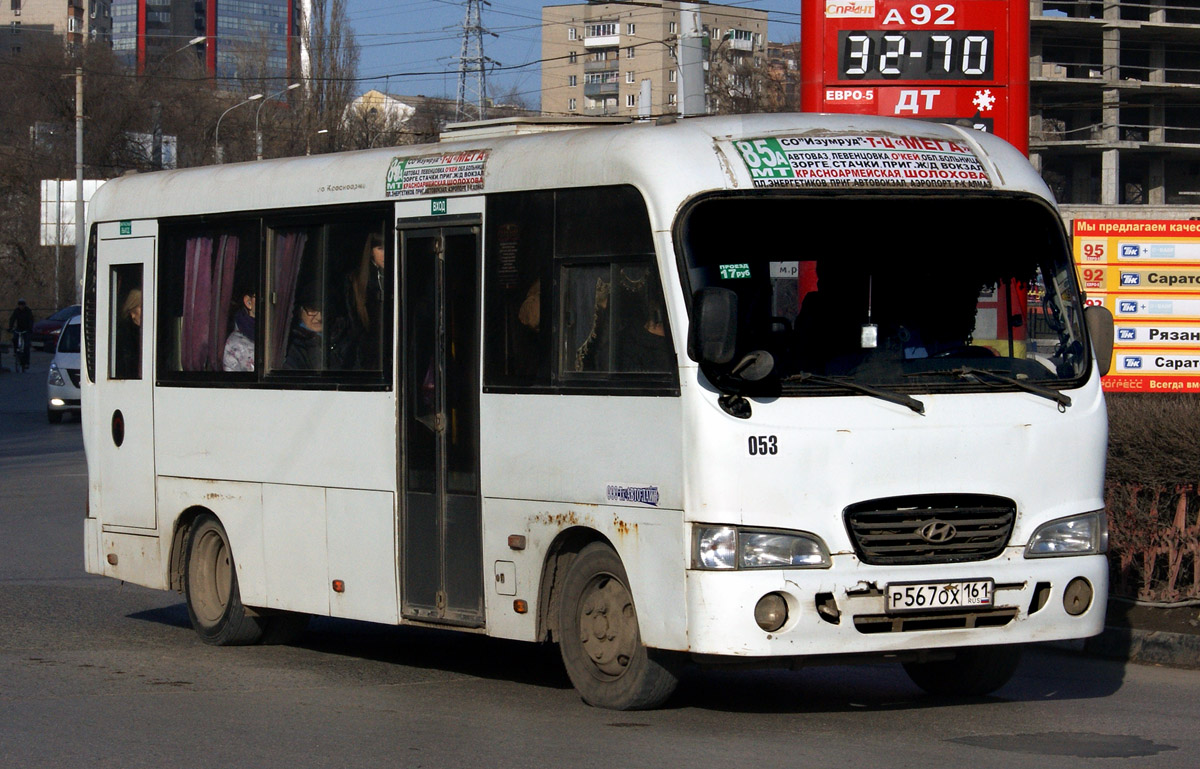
(930, 529)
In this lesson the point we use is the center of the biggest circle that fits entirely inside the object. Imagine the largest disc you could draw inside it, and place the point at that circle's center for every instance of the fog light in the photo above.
(771, 612)
(57, 402)
(1077, 597)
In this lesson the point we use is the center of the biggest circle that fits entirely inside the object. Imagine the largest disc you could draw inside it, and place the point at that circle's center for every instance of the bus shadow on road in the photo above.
(1045, 674)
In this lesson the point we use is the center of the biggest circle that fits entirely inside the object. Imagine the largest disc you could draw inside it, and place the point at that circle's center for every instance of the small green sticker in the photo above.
(734, 271)
(438, 206)
(126, 227)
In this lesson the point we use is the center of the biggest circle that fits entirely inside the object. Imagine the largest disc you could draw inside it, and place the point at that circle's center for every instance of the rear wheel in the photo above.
(599, 639)
(974, 671)
(213, 600)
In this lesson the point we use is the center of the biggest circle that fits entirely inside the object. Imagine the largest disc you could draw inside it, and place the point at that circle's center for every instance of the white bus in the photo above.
(771, 389)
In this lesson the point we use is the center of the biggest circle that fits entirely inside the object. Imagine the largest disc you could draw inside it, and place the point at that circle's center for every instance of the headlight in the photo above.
(56, 378)
(1078, 535)
(727, 547)
(716, 547)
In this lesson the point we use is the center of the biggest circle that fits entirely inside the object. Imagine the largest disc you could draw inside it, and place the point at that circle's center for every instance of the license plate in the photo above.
(923, 596)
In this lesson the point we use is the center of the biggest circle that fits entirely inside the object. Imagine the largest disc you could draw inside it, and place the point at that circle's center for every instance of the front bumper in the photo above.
(840, 610)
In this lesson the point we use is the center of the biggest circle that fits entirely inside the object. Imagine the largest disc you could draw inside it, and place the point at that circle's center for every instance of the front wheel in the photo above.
(599, 639)
(974, 671)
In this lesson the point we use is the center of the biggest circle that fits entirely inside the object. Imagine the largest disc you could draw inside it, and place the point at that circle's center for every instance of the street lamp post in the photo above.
(217, 132)
(185, 46)
(308, 141)
(258, 133)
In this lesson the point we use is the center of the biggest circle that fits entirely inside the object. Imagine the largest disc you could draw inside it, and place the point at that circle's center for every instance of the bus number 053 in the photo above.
(762, 445)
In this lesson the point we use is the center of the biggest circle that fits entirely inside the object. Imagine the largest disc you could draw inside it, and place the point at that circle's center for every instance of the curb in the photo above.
(1148, 647)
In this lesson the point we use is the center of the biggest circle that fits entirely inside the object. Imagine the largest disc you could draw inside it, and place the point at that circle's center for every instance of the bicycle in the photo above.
(20, 348)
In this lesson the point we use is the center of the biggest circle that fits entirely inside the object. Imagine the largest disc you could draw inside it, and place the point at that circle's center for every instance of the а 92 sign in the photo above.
(964, 61)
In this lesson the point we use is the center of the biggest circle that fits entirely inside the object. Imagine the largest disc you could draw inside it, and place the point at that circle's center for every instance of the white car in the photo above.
(62, 386)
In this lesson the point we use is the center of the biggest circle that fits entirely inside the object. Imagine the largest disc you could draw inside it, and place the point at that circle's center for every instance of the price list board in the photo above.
(963, 62)
(1147, 273)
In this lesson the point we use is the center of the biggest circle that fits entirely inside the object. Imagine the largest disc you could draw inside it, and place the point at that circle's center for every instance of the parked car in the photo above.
(62, 386)
(45, 332)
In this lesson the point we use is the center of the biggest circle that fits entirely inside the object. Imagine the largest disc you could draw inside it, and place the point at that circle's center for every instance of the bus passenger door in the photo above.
(441, 547)
(124, 418)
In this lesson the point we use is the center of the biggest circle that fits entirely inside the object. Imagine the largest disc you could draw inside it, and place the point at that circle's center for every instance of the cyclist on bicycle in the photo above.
(20, 323)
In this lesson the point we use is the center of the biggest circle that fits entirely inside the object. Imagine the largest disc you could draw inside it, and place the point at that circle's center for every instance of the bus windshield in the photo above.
(910, 293)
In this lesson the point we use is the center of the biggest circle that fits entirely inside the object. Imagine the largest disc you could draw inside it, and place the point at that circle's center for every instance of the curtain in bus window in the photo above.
(587, 318)
(197, 302)
(286, 266)
(207, 292)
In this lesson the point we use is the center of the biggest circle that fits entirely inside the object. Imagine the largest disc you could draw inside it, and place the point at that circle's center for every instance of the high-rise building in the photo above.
(602, 58)
(1115, 102)
(22, 22)
(242, 38)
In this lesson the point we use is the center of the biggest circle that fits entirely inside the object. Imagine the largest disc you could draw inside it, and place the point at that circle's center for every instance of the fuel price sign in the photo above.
(962, 62)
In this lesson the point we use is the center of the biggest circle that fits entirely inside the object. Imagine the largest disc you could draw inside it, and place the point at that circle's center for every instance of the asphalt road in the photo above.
(98, 674)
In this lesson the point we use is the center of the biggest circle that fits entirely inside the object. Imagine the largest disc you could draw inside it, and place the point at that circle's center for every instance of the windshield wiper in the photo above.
(887, 395)
(963, 372)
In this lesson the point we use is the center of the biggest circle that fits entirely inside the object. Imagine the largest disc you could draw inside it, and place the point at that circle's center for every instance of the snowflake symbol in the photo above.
(984, 101)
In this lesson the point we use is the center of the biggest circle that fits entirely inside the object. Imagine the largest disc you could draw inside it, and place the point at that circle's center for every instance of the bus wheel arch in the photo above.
(559, 556)
(179, 542)
(599, 638)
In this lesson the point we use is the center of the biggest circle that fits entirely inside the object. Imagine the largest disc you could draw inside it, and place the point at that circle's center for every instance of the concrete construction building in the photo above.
(22, 22)
(241, 38)
(1115, 104)
(602, 58)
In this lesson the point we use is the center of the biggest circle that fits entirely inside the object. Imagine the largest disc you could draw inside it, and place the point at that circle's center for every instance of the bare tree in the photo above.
(333, 67)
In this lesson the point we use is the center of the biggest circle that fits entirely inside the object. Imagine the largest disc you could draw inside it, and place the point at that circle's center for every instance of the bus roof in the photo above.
(671, 159)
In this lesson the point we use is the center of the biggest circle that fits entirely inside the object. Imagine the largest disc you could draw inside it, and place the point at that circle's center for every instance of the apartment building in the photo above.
(1115, 103)
(22, 22)
(602, 58)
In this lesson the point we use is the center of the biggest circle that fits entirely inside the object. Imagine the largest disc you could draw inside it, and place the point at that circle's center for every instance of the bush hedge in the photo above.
(1151, 495)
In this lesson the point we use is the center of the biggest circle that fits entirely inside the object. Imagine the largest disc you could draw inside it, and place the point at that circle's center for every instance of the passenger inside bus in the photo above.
(366, 291)
(306, 338)
(128, 353)
(239, 345)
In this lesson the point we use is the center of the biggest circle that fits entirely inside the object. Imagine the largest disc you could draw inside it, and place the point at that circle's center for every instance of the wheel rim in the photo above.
(211, 577)
(607, 626)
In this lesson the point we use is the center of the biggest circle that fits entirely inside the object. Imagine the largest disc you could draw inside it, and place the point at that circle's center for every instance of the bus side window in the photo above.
(208, 294)
(125, 322)
(518, 311)
(331, 298)
(614, 320)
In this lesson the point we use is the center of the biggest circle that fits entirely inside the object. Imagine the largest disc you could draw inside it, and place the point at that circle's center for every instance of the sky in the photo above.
(411, 47)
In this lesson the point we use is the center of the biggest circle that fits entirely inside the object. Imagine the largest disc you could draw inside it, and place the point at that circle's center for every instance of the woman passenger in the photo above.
(366, 294)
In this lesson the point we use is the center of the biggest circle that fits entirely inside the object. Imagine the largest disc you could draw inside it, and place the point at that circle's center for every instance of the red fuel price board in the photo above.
(962, 61)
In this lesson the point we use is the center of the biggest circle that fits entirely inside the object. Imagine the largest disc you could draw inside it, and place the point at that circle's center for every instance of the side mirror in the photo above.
(1100, 327)
(713, 332)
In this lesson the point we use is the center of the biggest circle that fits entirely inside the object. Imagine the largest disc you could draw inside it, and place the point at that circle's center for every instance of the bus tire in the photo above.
(973, 672)
(599, 640)
(214, 602)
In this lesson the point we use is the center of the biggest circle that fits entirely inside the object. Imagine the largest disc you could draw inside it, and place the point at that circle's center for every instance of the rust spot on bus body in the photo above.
(560, 520)
(624, 527)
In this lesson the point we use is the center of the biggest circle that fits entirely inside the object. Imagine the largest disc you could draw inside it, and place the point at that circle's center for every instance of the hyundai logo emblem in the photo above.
(937, 532)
